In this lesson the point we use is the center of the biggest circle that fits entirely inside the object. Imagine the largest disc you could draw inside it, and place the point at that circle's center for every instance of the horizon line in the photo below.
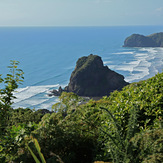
(74, 25)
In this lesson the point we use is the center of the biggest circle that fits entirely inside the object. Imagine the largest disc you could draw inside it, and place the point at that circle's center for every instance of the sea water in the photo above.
(48, 55)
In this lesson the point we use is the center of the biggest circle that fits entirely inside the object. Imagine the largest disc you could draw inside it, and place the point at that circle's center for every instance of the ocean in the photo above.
(48, 55)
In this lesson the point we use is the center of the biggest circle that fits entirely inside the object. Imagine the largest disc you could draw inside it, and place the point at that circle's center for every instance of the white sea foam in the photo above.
(107, 62)
(136, 76)
(30, 91)
(149, 50)
(141, 55)
(21, 89)
(32, 96)
(127, 66)
(146, 63)
(113, 67)
(124, 53)
(124, 68)
(151, 61)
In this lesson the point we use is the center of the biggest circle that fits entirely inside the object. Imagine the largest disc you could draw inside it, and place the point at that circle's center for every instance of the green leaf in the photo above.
(39, 150)
(33, 155)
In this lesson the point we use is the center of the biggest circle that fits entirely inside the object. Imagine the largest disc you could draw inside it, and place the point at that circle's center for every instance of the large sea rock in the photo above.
(92, 79)
(136, 40)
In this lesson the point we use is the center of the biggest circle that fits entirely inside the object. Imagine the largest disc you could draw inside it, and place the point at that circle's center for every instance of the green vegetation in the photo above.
(11, 82)
(84, 63)
(125, 127)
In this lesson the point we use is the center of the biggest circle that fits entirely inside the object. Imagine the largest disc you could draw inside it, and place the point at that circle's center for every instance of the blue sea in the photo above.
(48, 55)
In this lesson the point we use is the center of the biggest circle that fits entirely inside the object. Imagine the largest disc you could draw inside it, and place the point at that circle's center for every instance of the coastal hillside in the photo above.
(123, 127)
(137, 40)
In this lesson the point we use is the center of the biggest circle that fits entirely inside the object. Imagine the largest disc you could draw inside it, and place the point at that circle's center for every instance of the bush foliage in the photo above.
(124, 127)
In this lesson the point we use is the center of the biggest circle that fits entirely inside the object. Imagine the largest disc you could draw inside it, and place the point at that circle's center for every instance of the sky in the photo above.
(80, 12)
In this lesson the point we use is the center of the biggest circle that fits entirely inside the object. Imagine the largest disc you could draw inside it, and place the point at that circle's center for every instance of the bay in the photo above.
(48, 55)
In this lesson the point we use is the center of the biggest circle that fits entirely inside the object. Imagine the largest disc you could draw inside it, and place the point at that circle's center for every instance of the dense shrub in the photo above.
(124, 127)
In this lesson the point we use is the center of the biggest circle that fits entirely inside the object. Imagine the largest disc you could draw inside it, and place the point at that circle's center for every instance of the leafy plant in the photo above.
(135, 109)
(150, 145)
(118, 142)
(24, 115)
(37, 146)
(68, 133)
(38, 150)
(10, 83)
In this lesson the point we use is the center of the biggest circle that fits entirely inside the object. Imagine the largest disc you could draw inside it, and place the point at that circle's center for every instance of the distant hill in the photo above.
(137, 40)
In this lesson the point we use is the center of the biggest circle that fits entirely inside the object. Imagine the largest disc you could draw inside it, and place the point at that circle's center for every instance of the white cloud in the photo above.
(159, 9)
(158, 12)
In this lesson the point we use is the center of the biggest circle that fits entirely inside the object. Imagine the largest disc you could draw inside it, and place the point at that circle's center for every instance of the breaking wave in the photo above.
(134, 64)
(34, 97)
(145, 63)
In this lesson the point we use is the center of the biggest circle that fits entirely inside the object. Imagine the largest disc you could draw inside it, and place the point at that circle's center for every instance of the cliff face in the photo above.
(136, 40)
(91, 78)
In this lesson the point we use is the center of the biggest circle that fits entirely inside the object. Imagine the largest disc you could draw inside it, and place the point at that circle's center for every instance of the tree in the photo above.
(10, 83)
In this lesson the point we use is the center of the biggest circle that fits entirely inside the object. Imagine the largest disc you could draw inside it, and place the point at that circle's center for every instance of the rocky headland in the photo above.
(92, 79)
(137, 40)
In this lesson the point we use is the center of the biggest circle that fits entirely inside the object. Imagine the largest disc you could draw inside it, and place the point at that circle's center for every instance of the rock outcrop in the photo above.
(136, 40)
(92, 79)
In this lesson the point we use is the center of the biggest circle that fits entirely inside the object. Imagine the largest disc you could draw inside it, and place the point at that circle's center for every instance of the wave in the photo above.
(149, 50)
(30, 91)
(21, 89)
(141, 55)
(32, 96)
(136, 65)
(124, 52)
(142, 64)
(106, 62)
(136, 76)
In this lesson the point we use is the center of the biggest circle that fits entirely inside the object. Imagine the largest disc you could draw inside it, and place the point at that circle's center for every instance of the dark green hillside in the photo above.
(158, 38)
(136, 40)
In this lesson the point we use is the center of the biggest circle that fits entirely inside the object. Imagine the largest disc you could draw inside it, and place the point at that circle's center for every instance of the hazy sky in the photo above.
(80, 12)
